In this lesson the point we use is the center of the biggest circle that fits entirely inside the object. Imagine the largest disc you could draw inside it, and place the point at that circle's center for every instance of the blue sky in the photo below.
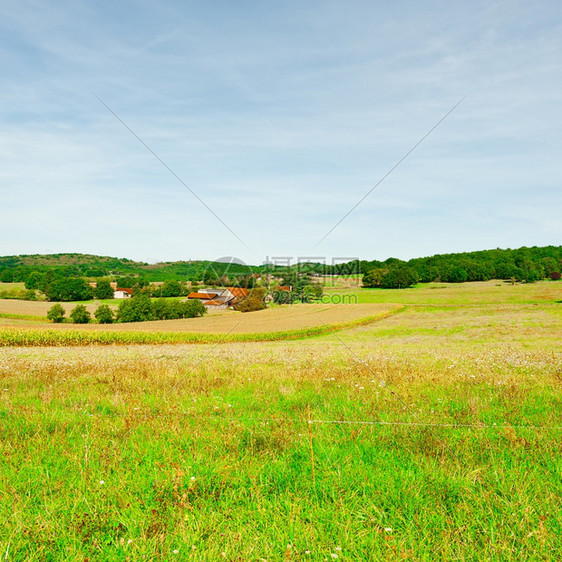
(280, 116)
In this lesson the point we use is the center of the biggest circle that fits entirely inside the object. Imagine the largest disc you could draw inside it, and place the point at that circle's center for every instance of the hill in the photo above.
(525, 264)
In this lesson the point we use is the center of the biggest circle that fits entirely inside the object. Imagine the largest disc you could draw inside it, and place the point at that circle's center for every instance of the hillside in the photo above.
(523, 263)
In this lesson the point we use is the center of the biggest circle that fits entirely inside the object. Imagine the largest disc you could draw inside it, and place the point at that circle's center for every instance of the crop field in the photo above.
(433, 433)
(37, 309)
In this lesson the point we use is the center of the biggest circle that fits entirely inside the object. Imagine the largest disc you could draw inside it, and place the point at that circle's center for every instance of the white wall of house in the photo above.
(121, 295)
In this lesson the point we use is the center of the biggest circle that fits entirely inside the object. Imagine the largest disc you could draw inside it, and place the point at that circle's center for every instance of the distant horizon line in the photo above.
(238, 261)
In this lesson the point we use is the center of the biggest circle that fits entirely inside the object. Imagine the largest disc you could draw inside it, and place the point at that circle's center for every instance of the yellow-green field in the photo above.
(435, 434)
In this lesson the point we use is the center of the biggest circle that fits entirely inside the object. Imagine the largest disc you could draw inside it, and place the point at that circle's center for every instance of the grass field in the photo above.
(489, 292)
(450, 450)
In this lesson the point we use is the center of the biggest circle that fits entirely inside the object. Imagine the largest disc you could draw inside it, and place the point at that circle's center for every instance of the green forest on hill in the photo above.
(522, 264)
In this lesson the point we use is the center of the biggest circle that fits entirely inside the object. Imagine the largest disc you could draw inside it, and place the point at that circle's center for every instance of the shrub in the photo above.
(56, 314)
(191, 309)
(80, 315)
(254, 301)
(104, 314)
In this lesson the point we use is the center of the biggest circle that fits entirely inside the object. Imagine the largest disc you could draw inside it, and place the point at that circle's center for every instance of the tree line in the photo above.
(140, 308)
(523, 264)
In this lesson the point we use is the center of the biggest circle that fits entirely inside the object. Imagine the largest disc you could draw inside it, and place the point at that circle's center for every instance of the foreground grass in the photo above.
(203, 452)
(198, 452)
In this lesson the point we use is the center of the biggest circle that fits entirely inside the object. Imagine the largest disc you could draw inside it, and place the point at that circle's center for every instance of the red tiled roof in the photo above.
(125, 290)
(238, 292)
(214, 303)
(202, 296)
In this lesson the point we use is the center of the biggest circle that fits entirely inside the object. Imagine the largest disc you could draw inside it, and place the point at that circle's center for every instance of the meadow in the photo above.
(433, 433)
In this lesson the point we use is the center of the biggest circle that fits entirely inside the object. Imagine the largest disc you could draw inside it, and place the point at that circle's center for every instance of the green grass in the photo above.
(172, 453)
(137, 451)
(452, 294)
(22, 317)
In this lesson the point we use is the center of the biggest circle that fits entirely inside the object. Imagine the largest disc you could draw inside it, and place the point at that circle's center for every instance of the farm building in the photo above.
(219, 298)
(122, 293)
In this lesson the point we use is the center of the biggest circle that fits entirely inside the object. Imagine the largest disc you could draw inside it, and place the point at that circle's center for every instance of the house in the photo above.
(218, 299)
(122, 293)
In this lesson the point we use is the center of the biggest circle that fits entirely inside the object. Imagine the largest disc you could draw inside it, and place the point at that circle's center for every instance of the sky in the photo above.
(271, 121)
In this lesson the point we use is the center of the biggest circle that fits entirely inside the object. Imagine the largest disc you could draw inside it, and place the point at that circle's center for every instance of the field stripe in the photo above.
(20, 337)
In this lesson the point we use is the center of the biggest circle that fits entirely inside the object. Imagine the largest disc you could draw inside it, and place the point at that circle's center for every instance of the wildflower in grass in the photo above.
(102, 482)
(388, 529)
(176, 551)
(334, 555)
(338, 548)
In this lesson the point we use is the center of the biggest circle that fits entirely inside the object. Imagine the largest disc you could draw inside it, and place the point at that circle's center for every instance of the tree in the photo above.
(400, 278)
(457, 275)
(103, 290)
(80, 315)
(171, 289)
(7, 276)
(254, 301)
(374, 277)
(190, 309)
(135, 309)
(69, 290)
(104, 314)
(34, 279)
(56, 314)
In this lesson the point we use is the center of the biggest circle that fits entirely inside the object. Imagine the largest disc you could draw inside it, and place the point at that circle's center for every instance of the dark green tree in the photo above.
(34, 279)
(103, 290)
(79, 315)
(373, 278)
(56, 314)
(69, 290)
(104, 314)
(135, 309)
(400, 278)
(171, 289)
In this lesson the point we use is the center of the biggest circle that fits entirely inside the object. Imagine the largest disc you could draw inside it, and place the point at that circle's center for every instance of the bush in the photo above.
(80, 315)
(104, 314)
(254, 301)
(56, 314)
(191, 309)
